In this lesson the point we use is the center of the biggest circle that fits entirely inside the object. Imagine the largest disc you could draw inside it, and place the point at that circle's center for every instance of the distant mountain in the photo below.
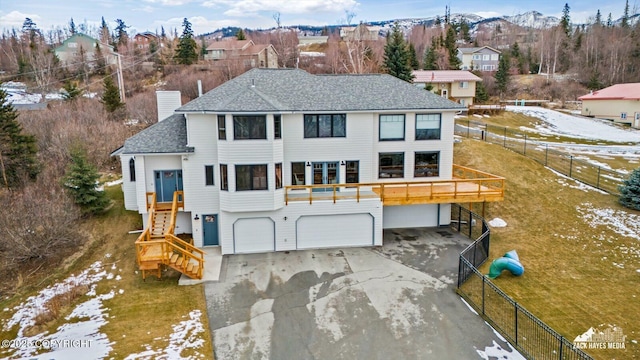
(533, 19)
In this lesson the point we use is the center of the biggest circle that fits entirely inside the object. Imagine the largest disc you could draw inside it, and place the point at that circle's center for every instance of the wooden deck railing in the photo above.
(160, 250)
(467, 185)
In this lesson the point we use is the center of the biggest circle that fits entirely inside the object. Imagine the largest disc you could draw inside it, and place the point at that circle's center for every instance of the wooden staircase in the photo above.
(158, 246)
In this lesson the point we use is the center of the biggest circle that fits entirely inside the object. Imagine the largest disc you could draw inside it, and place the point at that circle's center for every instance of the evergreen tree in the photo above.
(565, 21)
(111, 95)
(625, 17)
(452, 49)
(502, 75)
(465, 31)
(594, 81)
(413, 58)
(17, 150)
(101, 62)
(186, 51)
(240, 35)
(81, 180)
(396, 56)
(431, 57)
(163, 35)
(515, 50)
(481, 93)
(71, 90)
(121, 32)
(630, 191)
(598, 20)
(609, 21)
(437, 21)
(105, 34)
(72, 27)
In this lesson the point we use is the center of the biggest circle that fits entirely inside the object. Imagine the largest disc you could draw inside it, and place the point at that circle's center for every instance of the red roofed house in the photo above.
(252, 55)
(620, 103)
(456, 85)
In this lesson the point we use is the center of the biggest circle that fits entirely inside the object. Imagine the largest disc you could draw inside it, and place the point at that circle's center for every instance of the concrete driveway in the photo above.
(393, 302)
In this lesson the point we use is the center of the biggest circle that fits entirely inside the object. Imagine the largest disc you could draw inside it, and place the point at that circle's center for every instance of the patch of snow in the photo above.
(312, 53)
(109, 184)
(498, 223)
(587, 128)
(80, 339)
(118, 277)
(185, 335)
(496, 351)
(577, 184)
(622, 222)
(26, 312)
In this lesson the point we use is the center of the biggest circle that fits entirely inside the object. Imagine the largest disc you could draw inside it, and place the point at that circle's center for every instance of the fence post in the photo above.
(459, 217)
(546, 155)
(486, 131)
(561, 347)
(570, 165)
(525, 145)
(468, 127)
(516, 322)
(504, 142)
(483, 281)
(598, 179)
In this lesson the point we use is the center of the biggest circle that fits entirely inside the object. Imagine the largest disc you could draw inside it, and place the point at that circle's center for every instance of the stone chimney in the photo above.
(168, 102)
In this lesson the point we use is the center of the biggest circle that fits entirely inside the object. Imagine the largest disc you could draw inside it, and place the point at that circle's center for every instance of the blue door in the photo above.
(325, 173)
(210, 230)
(167, 182)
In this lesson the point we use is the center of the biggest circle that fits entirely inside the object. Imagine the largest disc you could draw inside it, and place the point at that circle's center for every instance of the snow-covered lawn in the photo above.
(558, 123)
(81, 337)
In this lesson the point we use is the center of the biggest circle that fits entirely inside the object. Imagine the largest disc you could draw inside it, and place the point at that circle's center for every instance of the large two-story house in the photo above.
(280, 159)
(483, 58)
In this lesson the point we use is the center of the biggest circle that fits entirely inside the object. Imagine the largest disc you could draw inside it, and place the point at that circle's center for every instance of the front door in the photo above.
(210, 230)
(636, 121)
(167, 182)
(325, 173)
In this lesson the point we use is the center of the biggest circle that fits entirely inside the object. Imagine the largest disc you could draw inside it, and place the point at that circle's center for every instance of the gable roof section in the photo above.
(443, 76)
(233, 44)
(629, 91)
(290, 90)
(165, 137)
(471, 50)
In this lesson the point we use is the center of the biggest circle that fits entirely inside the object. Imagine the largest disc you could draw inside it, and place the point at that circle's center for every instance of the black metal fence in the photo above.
(532, 337)
(601, 178)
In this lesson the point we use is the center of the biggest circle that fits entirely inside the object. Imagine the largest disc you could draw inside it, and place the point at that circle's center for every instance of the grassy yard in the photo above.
(576, 276)
(141, 315)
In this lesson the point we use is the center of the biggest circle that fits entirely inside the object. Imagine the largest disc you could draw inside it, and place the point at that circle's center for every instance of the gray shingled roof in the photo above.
(166, 136)
(273, 90)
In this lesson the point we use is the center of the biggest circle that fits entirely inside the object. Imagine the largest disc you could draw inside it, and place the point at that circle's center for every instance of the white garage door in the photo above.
(328, 231)
(253, 235)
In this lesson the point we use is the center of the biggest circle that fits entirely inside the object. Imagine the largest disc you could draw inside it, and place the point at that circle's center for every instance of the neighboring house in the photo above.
(250, 54)
(144, 40)
(479, 58)
(361, 32)
(620, 103)
(71, 49)
(457, 85)
(279, 160)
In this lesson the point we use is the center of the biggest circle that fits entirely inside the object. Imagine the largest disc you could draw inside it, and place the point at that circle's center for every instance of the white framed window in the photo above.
(623, 115)
(464, 85)
(428, 126)
(391, 127)
(477, 57)
(494, 57)
(488, 67)
(486, 57)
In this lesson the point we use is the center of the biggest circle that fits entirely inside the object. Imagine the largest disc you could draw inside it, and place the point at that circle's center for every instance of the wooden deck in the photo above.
(467, 186)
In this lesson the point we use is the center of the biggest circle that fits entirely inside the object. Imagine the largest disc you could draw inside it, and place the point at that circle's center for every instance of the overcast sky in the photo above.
(208, 15)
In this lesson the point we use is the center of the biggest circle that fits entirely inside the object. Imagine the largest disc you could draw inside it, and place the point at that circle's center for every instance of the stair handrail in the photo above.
(175, 205)
(173, 241)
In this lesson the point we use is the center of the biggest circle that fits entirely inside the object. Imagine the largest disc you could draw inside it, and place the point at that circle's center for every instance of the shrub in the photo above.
(630, 191)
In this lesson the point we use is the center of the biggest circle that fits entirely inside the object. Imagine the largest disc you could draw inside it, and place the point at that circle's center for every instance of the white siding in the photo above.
(326, 231)
(356, 145)
(128, 186)
(286, 218)
(409, 146)
(141, 184)
(409, 216)
(253, 235)
(168, 102)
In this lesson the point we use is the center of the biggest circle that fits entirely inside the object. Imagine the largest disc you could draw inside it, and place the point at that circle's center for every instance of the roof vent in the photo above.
(253, 83)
